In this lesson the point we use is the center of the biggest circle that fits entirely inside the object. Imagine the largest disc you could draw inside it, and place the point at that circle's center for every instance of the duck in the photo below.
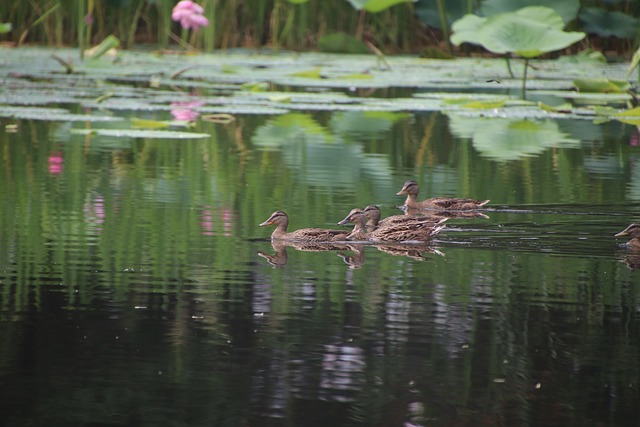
(373, 214)
(410, 189)
(413, 231)
(313, 235)
(632, 230)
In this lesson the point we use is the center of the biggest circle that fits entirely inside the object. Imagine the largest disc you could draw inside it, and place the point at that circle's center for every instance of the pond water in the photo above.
(136, 288)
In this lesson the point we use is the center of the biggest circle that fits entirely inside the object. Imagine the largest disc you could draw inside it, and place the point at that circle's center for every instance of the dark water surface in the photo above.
(136, 288)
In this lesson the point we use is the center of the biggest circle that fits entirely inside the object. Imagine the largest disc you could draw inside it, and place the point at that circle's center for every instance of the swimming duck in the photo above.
(281, 220)
(373, 214)
(410, 189)
(414, 231)
(632, 230)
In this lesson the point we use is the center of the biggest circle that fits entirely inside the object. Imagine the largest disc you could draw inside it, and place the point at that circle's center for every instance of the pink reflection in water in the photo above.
(209, 216)
(94, 211)
(56, 161)
(183, 110)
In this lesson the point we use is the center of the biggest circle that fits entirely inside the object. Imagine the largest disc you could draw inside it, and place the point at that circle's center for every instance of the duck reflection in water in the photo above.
(280, 257)
(632, 259)
(352, 254)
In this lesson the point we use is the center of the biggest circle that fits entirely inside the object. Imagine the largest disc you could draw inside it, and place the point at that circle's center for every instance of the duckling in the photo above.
(416, 231)
(632, 230)
(372, 212)
(410, 189)
(281, 220)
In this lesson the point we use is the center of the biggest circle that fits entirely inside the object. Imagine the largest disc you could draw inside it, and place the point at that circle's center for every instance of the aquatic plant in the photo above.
(528, 32)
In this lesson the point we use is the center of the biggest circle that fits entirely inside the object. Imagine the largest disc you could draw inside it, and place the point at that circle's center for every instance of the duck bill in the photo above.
(267, 222)
(621, 234)
(401, 193)
(344, 221)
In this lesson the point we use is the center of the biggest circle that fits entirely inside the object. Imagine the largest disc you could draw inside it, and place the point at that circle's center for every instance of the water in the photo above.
(136, 287)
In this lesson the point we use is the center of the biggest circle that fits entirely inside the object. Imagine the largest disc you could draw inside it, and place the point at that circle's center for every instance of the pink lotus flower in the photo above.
(189, 14)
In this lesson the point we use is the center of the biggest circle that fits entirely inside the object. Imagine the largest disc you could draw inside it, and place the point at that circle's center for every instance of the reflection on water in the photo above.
(136, 288)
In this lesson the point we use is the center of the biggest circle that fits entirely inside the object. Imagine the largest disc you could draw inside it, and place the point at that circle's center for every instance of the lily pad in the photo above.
(140, 133)
(602, 85)
(51, 114)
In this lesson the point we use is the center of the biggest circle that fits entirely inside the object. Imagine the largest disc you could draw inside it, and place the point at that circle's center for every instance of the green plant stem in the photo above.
(134, 25)
(81, 11)
(524, 78)
(509, 66)
(444, 22)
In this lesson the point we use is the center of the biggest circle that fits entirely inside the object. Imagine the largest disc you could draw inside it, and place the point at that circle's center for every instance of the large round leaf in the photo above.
(528, 32)
(567, 9)
(606, 23)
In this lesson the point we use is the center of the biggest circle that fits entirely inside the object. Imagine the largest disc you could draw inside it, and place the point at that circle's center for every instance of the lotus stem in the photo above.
(524, 78)
(506, 57)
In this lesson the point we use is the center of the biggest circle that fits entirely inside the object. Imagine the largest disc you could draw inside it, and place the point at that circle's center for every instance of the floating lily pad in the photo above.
(51, 114)
(140, 133)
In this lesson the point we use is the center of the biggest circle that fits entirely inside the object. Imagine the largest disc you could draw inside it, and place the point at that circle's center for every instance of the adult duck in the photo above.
(409, 232)
(313, 235)
(632, 230)
(374, 221)
(410, 189)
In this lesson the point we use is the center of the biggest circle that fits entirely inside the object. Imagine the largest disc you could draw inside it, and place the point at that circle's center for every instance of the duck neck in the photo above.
(411, 200)
(280, 232)
(359, 232)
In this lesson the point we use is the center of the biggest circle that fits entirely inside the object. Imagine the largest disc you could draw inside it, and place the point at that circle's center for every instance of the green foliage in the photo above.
(341, 43)
(375, 6)
(606, 23)
(430, 13)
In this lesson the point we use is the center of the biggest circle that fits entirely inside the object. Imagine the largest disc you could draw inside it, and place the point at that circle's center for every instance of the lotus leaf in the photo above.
(140, 133)
(602, 85)
(606, 23)
(567, 9)
(527, 32)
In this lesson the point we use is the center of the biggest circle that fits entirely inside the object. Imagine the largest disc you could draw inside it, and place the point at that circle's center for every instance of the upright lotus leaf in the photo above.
(375, 6)
(527, 32)
(567, 9)
(608, 23)
(5, 27)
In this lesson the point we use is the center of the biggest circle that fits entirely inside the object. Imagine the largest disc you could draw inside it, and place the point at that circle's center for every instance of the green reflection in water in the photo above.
(132, 289)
